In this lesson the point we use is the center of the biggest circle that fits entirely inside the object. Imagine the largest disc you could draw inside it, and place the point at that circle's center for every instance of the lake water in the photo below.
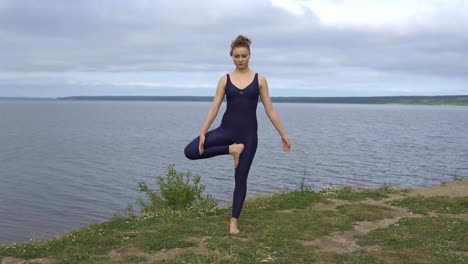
(65, 164)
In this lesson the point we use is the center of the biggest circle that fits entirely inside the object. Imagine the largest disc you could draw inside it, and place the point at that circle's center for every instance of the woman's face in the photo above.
(240, 57)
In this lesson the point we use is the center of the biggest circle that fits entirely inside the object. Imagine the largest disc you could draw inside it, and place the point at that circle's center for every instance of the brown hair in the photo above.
(240, 41)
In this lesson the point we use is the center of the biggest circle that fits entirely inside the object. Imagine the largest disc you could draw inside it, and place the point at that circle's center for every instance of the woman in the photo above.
(237, 134)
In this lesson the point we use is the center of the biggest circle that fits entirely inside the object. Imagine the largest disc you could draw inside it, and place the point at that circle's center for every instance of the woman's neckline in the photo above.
(235, 86)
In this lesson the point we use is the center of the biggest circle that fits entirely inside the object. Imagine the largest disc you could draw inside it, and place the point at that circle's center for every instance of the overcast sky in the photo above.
(55, 48)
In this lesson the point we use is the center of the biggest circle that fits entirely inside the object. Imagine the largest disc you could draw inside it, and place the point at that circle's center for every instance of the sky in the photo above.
(55, 48)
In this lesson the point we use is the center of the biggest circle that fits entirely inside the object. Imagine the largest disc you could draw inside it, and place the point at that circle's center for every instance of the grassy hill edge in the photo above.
(347, 225)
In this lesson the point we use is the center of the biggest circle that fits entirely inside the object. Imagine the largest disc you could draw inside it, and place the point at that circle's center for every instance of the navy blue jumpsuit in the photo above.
(239, 125)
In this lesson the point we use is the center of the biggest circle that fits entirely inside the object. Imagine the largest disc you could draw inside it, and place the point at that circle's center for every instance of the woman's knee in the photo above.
(191, 152)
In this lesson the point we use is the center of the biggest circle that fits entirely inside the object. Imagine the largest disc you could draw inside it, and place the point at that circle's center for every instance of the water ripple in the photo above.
(66, 164)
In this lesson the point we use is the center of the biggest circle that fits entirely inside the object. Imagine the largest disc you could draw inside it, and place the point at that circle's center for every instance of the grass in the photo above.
(352, 194)
(438, 204)
(365, 212)
(285, 227)
(422, 240)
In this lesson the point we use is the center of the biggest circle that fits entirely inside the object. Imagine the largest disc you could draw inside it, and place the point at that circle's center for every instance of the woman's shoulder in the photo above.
(261, 78)
(259, 75)
(223, 78)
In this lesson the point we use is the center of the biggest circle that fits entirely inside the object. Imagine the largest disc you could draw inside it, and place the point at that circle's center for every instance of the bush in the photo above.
(177, 191)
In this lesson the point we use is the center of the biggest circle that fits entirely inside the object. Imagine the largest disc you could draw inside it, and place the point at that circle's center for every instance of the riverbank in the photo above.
(384, 225)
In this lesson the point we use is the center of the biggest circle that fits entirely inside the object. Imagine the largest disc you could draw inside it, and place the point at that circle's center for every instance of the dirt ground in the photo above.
(452, 189)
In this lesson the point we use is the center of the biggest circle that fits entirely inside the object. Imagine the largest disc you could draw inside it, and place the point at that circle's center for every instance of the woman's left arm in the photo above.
(271, 112)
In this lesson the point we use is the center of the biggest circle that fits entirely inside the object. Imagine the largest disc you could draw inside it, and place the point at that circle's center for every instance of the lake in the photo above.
(65, 164)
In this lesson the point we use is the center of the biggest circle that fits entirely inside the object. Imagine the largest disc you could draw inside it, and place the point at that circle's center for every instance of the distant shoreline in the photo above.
(460, 100)
(425, 100)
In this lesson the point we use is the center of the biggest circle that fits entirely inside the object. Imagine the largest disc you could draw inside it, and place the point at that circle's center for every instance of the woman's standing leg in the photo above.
(241, 174)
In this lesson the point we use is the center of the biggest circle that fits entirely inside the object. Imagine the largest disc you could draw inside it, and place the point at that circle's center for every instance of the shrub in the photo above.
(177, 191)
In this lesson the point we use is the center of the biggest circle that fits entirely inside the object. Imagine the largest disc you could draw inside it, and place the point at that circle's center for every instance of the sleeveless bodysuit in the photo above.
(239, 125)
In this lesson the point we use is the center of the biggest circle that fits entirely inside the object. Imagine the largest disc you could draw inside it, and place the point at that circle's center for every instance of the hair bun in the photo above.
(240, 41)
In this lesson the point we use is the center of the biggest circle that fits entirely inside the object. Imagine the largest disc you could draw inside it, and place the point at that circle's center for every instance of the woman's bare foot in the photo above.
(233, 227)
(236, 150)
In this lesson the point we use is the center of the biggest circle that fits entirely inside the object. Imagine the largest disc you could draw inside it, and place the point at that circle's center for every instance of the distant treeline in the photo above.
(427, 100)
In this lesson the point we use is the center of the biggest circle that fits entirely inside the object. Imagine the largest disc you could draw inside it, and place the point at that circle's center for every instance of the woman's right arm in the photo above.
(213, 112)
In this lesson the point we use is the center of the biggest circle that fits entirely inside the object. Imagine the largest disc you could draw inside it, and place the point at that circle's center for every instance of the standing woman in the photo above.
(237, 134)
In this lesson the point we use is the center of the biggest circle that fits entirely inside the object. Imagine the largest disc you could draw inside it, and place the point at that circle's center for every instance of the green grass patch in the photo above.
(148, 233)
(421, 240)
(134, 259)
(359, 257)
(277, 235)
(438, 204)
(152, 242)
(285, 200)
(83, 242)
(351, 194)
(365, 212)
(203, 259)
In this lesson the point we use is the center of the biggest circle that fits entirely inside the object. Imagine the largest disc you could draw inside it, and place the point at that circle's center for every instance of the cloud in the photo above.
(312, 41)
(159, 85)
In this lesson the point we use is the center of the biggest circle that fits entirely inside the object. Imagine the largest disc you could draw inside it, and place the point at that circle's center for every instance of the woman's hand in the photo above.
(286, 143)
(200, 145)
